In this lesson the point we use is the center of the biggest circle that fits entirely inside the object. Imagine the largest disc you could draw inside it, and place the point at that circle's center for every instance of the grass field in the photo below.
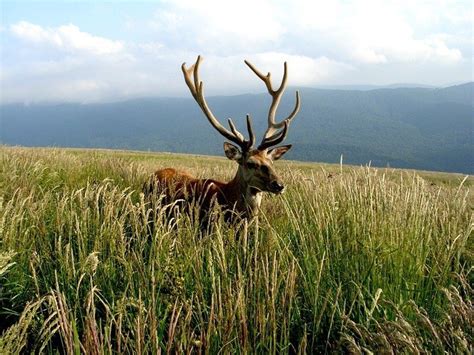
(349, 259)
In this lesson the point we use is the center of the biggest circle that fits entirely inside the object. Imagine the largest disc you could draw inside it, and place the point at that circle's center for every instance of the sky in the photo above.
(95, 51)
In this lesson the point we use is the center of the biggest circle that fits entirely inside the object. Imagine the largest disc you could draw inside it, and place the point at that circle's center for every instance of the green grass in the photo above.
(348, 260)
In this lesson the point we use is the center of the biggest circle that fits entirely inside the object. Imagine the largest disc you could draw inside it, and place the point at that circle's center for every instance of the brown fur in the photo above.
(240, 196)
(180, 185)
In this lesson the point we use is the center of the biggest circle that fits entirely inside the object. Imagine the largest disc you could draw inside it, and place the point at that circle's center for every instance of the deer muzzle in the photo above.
(276, 187)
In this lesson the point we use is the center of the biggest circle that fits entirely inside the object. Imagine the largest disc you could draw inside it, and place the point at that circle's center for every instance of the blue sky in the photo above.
(92, 51)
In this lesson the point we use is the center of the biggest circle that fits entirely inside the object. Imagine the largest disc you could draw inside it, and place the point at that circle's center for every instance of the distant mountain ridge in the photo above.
(366, 87)
(422, 128)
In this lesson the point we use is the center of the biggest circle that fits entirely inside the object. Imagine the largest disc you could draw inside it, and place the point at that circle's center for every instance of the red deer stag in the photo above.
(255, 174)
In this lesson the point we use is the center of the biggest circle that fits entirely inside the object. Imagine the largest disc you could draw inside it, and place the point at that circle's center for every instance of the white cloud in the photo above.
(229, 74)
(67, 37)
(302, 70)
(373, 31)
(62, 64)
(365, 31)
(154, 48)
(324, 42)
(438, 46)
(218, 26)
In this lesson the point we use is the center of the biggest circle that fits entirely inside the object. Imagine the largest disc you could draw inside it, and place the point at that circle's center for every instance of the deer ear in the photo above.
(232, 152)
(277, 153)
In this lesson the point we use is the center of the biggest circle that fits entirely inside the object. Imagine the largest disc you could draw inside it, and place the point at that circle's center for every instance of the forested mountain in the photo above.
(423, 128)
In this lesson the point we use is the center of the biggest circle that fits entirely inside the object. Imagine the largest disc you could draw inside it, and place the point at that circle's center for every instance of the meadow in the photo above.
(348, 259)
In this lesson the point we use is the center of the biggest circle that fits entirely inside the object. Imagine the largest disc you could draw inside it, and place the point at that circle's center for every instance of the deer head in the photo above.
(255, 164)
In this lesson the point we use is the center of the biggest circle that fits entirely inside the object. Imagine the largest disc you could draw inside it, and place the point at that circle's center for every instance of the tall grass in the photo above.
(361, 260)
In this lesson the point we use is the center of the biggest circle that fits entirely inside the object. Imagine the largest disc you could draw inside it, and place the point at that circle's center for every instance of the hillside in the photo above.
(334, 265)
(420, 128)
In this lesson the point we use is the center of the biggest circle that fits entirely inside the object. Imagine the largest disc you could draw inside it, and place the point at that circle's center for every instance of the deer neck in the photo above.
(242, 196)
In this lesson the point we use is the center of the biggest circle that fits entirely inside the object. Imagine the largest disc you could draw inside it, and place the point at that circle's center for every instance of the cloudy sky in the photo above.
(92, 51)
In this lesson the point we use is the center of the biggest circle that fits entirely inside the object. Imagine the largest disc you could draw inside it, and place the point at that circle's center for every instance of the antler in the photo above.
(271, 138)
(191, 76)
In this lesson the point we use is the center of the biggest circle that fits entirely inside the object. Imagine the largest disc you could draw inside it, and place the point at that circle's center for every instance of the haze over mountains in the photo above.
(422, 128)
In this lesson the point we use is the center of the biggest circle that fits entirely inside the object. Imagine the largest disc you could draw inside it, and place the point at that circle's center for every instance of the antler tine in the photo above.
(251, 134)
(276, 95)
(197, 90)
(275, 139)
(234, 130)
(187, 78)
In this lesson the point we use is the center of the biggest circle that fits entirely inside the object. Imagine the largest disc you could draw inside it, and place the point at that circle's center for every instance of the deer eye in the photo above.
(251, 165)
(264, 169)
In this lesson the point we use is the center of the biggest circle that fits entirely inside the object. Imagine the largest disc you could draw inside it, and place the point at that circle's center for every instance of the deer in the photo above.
(242, 195)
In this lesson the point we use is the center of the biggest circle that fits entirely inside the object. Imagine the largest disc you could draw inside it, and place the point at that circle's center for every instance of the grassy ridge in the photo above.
(348, 259)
